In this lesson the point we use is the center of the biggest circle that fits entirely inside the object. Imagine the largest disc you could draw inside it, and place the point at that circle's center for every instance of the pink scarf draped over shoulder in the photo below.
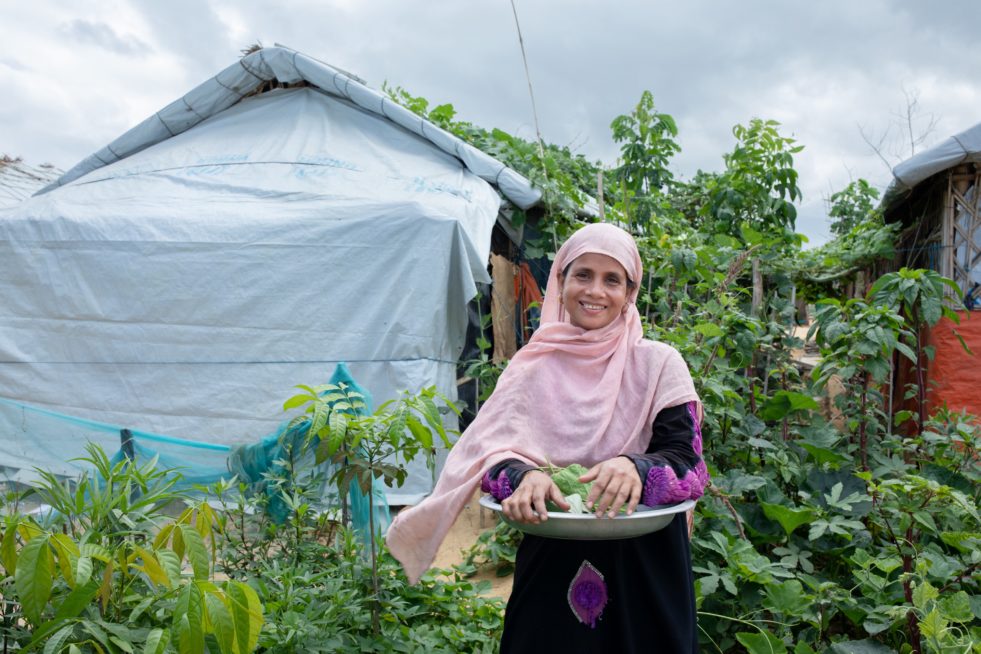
(570, 395)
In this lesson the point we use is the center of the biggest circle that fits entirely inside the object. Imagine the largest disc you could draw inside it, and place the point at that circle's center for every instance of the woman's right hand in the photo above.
(527, 502)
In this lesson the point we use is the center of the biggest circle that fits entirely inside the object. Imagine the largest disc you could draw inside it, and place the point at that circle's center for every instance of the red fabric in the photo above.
(954, 376)
(527, 291)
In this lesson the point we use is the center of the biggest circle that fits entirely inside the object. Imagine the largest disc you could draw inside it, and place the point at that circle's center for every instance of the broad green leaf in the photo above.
(431, 414)
(246, 615)
(105, 588)
(163, 536)
(101, 642)
(761, 443)
(923, 593)
(33, 578)
(220, 620)
(708, 329)
(887, 563)
(8, 550)
(58, 640)
(123, 644)
(77, 600)
(189, 620)
(957, 607)
(421, 434)
(83, 570)
(761, 642)
(787, 597)
(154, 571)
(876, 623)
(296, 401)
(319, 418)
(338, 422)
(67, 552)
(788, 517)
(156, 641)
(965, 541)
(197, 553)
(170, 562)
(933, 624)
(822, 455)
(784, 403)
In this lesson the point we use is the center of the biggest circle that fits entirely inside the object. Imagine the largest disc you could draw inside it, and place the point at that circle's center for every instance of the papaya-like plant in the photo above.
(105, 569)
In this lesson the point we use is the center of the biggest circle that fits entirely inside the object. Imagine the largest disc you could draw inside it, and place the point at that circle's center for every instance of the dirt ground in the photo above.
(473, 521)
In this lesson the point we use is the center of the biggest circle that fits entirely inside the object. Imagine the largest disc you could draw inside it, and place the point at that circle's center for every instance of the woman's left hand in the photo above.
(615, 484)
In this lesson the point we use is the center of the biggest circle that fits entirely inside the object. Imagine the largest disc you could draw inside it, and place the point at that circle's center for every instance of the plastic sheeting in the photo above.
(954, 376)
(186, 288)
(288, 66)
(958, 149)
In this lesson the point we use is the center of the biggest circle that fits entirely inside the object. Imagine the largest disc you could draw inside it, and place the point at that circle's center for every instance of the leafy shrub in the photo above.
(105, 570)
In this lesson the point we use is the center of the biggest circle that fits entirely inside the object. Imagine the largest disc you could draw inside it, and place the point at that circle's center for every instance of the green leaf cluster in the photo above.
(109, 571)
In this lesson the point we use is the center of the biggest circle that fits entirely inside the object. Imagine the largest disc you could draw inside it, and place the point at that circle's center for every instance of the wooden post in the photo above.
(757, 288)
(599, 192)
(947, 232)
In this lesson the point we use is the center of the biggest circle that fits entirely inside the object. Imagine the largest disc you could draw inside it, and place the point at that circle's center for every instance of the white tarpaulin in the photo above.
(960, 148)
(185, 288)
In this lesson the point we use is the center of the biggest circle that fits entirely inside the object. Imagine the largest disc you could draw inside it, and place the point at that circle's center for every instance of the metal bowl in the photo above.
(586, 526)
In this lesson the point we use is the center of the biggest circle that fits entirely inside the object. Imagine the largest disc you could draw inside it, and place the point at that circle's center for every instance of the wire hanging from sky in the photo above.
(531, 92)
(534, 108)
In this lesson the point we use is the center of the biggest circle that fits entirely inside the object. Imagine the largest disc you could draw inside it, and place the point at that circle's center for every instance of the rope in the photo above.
(534, 108)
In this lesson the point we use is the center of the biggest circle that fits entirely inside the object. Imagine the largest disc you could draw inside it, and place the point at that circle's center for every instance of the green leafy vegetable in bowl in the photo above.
(574, 491)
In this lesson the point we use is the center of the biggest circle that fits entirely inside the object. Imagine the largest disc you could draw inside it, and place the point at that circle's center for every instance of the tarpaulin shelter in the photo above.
(19, 179)
(279, 218)
(936, 197)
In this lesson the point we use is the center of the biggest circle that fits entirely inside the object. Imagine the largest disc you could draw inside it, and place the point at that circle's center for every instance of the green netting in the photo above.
(267, 459)
(33, 438)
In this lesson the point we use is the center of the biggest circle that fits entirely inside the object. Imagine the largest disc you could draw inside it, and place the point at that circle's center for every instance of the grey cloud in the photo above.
(14, 65)
(104, 36)
(191, 31)
(822, 68)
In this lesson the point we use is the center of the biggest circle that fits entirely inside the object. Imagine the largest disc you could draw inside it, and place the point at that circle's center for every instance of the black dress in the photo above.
(624, 596)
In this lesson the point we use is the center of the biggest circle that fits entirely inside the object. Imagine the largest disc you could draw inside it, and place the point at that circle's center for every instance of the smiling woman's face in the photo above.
(594, 290)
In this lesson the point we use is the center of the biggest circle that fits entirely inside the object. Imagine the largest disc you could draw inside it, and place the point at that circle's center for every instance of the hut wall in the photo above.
(954, 376)
(962, 227)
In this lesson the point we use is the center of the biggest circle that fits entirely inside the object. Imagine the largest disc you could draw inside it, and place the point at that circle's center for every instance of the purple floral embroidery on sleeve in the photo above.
(663, 486)
(500, 488)
(587, 594)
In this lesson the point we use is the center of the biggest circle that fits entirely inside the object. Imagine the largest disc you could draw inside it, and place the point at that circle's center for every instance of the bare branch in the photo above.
(876, 147)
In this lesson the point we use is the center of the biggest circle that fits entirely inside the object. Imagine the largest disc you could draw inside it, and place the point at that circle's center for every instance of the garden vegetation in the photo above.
(842, 522)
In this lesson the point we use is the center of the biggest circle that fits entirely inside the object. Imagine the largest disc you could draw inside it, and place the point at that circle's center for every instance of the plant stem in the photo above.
(911, 624)
(375, 624)
(920, 388)
(862, 428)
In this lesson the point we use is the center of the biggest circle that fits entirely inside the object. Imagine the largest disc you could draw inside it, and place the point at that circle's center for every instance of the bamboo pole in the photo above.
(599, 193)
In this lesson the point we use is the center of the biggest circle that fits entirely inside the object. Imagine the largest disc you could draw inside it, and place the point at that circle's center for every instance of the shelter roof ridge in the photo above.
(288, 66)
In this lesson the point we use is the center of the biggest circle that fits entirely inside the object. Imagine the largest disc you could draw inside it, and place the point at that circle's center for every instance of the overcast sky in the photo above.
(75, 75)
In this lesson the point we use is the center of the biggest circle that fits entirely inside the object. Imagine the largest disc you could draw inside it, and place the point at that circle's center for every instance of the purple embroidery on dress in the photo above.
(696, 442)
(500, 489)
(662, 485)
(587, 594)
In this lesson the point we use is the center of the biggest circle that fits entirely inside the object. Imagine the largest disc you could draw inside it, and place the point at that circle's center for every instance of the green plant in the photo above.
(852, 206)
(495, 547)
(365, 448)
(105, 571)
(920, 296)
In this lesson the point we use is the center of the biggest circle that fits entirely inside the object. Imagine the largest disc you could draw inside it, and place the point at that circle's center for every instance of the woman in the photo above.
(588, 389)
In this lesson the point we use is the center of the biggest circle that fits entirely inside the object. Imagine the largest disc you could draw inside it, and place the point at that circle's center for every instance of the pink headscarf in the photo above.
(569, 396)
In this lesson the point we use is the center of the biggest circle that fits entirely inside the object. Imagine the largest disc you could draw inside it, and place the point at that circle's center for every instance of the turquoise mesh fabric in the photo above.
(33, 437)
